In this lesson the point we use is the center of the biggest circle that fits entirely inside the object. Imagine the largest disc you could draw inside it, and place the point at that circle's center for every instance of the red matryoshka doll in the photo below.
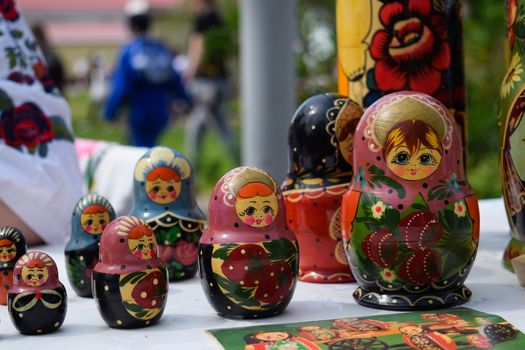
(320, 156)
(130, 282)
(12, 247)
(410, 220)
(37, 302)
(278, 340)
(163, 196)
(248, 258)
(91, 216)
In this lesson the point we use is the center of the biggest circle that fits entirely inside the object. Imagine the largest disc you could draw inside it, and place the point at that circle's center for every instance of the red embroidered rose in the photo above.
(410, 51)
(150, 291)
(185, 252)
(25, 125)
(21, 78)
(8, 9)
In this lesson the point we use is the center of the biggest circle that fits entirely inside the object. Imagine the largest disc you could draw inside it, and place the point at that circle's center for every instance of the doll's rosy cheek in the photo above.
(268, 219)
(138, 254)
(104, 226)
(11, 256)
(152, 252)
(250, 220)
(152, 195)
(89, 228)
(173, 195)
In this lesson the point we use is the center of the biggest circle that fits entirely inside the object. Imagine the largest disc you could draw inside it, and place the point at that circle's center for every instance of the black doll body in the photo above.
(79, 265)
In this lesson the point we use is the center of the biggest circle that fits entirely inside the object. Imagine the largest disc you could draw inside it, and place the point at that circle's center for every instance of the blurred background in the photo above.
(86, 36)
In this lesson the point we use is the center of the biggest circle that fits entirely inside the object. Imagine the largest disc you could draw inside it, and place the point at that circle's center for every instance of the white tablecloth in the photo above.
(188, 313)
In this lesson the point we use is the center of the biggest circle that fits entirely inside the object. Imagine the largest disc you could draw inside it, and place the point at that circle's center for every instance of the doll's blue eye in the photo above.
(171, 188)
(267, 210)
(401, 158)
(155, 189)
(425, 159)
(250, 211)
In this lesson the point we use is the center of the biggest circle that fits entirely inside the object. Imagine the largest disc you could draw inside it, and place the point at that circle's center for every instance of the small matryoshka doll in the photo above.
(410, 220)
(320, 156)
(37, 302)
(130, 283)
(163, 196)
(91, 216)
(12, 247)
(248, 258)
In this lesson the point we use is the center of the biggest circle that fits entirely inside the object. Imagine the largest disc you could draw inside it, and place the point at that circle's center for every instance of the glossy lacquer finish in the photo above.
(512, 132)
(248, 257)
(164, 197)
(410, 220)
(320, 170)
(130, 283)
(90, 217)
(388, 46)
(12, 247)
(37, 303)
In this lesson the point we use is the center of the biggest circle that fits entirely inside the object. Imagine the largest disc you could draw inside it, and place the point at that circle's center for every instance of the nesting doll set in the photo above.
(12, 247)
(248, 257)
(90, 217)
(410, 220)
(37, 302)
(130, 282)
(163, 196)
(320, 170)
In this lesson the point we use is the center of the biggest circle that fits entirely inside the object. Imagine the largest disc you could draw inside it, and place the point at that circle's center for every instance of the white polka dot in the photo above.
(39, 331)
(153, 302)
(229, 307)
(246, 268)
(242, 283)
(57, 324)
(143, 295)
(81, 258)
(313, 127)
(106, 287)
(119, 322)
(211, 284)
(230, 267)
(155, 282)
(21, 315)
(243, 251)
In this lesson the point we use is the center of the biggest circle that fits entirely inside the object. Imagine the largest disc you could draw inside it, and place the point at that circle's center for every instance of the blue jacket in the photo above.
(149, 104)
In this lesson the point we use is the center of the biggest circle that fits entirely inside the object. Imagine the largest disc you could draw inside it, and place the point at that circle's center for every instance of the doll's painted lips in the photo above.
(258, 221)
(413, 171)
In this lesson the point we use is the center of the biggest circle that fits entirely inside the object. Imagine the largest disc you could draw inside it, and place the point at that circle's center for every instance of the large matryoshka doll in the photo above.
(410, 220)
(90, 217)
(164, 197)
(12, 247)
(248, 257)
(37, 303)
(320, 171)
(512, 132)
(130, 283)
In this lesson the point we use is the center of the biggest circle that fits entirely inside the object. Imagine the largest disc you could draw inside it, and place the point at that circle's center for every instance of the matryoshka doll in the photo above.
(163, 196)
(91, 216)
(248, 257)
(12, 247)
(130, 283)
(410, 220)
(320, 171)
(37, 303)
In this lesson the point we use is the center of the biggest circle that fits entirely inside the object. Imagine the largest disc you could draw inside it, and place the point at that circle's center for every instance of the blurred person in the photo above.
(54, 62)
(144, 79)
(97, 84)
(207, 76)
(40, 180)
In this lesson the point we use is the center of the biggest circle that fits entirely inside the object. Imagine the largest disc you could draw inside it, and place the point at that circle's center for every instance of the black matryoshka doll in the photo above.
(130, 283)
(248, 257)
(12, 247)
(320, 171)
(163, 196)
(410, 220)
(91, 216)
(37, 302)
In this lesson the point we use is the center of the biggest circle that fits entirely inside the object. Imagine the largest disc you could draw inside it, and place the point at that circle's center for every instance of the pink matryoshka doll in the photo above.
(92, 214)
(164, 197)
(248, 257)
(37, 302)
(320, 171)
(129, 282)
(410, 220)
(12, 247)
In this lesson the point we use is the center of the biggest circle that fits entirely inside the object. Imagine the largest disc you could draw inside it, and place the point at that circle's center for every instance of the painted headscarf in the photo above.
(84, 234)
(118, 247)
(225, 224)
(40, 261)
(10, 236)
(319, 142)
(159, 161)
(384, 120)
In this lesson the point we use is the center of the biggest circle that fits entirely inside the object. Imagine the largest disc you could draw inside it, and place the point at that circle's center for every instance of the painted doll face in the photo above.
(163, 191)
(35, 276)
(7, 253)
(94, 223)
(257, 211)
(144, 247)
(272, 336)
(413, 165)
